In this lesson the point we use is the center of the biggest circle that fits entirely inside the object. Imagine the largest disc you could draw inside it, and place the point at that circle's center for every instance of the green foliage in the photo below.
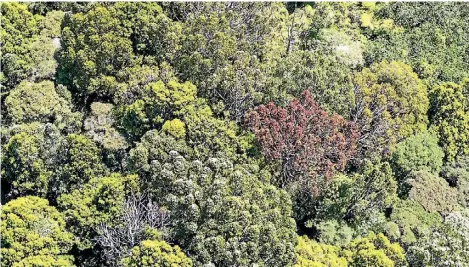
(312, 254)
(223, 214)
(23, 166)
(335, 232)
(30, 102)
(409, 220)
(98, 201)
(357, 198)
(443, 246)
(457, 173)
(390, 104)
(156, 253)
(99, 44)
(433, 45)
(232, 50)
(129, 119)
(370, 250)
(33, 234)
(449, 118)
(19, 27)
(78, 162)
(100, 126)
(419, 152)
(432, 192)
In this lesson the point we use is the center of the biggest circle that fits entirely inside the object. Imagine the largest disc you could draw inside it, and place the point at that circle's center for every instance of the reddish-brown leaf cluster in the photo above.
(306, 140)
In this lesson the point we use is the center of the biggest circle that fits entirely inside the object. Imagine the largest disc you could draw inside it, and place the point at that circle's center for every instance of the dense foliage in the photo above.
(234, 134)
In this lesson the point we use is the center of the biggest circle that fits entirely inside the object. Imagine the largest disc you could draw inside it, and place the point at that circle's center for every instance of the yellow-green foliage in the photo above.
(312, 254)
(45, 261)
(390, 104)
(33, 234)
(175, 128)
(98, 201)
(449, 118)
(156, 253)
(375, 250)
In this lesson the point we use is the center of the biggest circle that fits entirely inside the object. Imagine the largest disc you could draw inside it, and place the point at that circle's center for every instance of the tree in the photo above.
(220, 213)
(357, 198)
(229, 50)
(312, 254)
(370, 250)
(449, 119)
(25, 160)
(446, 245)
(375, 250)
(432, 45)
(30, 102)
(156, 253)
(103, 46)
(305, 140)
(390, 104)
(324, 67)
(457, 174)
(409, 220)
(139, 220)
(78, 161)
(419, 152)
(432, 192)
(98, 202)
(33, 234)
(19, 28)
(100, 126)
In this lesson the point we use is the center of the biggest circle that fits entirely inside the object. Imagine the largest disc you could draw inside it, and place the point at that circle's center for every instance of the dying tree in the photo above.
(141, 219)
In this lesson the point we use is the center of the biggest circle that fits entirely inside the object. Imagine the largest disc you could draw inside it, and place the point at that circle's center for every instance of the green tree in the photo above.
(33, 234)
(449, 119)
(356, 198)
(101, 127)
(23, 166)
(156, 253)
(78, 160)
(432, 45)
(409, 220)
(432, 192)
(419, 152)
(30, 102)
(105, 45)
(232, 50)
(99, 201)
(222, 214)
(446, 245)
(457, 174)
(390, 104)
(19, 28)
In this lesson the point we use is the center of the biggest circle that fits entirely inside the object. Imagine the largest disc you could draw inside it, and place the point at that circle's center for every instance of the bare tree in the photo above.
(139, 214)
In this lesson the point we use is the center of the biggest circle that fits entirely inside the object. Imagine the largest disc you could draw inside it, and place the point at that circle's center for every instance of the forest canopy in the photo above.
(306, 134)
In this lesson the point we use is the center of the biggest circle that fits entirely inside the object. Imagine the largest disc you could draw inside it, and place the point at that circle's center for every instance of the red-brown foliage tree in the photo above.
(308, 142)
